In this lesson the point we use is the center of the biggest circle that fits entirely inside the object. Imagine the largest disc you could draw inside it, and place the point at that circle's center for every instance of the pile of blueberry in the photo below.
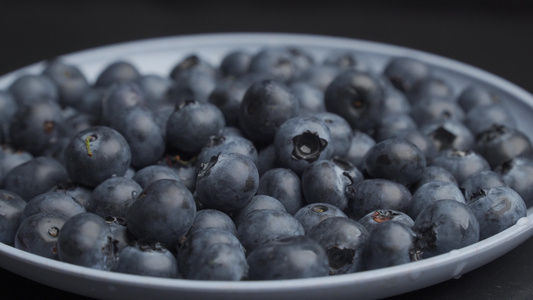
(271, 165)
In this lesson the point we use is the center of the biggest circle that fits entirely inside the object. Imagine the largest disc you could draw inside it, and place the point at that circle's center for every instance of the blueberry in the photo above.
(139, 129)
(461, 164)
(283, 185)
(327, 181)
(340, 130)
(359, 146)
(149, 174)
(184, 169)
(319, 76)
(11, 208)
(500, 144)
(163, 212)
(312, 214)
(38, 234)
(212, 218)
(81, 194)
(276, 63)
(118, 97)
(119, 229)
(288, 258)
(431, 192)
(262, 226)
(86, 240)
(388, 244)
(35, 177)
(443, 226)
(431, 88)
(228, 182)
(396, 159)
(265, 106)
(357, 97)
(393, 125)
(10, 158)
(226, 144)
(117, 72)
(345, 59)
(373, 218)
(406, 73)
(266, 159)
(29, 88)
(395, 101)
(36, 126)
(59, 204)
(227, 96)
(497, 209)
(433, 109)
(155, 89)
(113, 197)
(218, 262)
(343, 240)
(435, 173)
(71, 82)
(371, 194)
(482, 118)
(476, 95)
(480, 181)
(258, 202)
(301, 141)
(192, 124)
(310, 98)
(96, 154)
(235, 64)
(147, 260)
(448, 134)
(518, 175)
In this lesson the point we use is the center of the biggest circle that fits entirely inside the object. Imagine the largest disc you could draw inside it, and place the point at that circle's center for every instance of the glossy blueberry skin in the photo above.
(262, 226)
(448, 134)
(482, 118)
(476, 95)
(192, 64)
(96, 154)
(343, 240)
(431, 87)
(35, 177)
(227, 96)
(55, 203)
(373, 218)
(39, 233)
(311, 98)
(81, 194)
(434, 173)
(518, 175)
(392, 125)
(443, 226)
(11, 208)
(258, 202)
(327, 181)
(306, 259)
(497, 209)
(118, 97)
(395, 101)
(396, 159)
(192, 124)
(372, 194)
(10, 158)
(138, 127)
(340, 130)
(359, 146)
(163, 212)
(186, 170)
(500, 144)
(29, 88)
(201, 240)
(37, 126)
(212, 218)
(283, 185)
(113, 197)
(218, 262)
(71, 82)
(405, 73)
(301, 141)
(357, 97)
(119, 229)
(117, 72)
(235, 64)
(152, 173)
(431, 192)
(433, 109)
(388, 244)
(228, 182)
(276, 63)
(312, 214)
(461, 164)
(480, 181)
(147, 260)
(155, 89)
(319, 76)
(266, 159)
(265, 106)
(86, 240)
(226, 144)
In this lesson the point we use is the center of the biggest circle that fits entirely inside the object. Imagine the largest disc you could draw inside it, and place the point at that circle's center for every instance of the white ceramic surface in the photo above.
(158, 56)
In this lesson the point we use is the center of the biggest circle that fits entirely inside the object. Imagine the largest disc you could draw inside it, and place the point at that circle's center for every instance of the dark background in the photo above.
(493, 35)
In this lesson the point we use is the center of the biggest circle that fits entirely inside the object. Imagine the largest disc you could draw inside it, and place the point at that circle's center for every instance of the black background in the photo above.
(493, 35)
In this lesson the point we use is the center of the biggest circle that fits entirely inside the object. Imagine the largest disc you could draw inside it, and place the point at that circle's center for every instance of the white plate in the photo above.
(158, 56)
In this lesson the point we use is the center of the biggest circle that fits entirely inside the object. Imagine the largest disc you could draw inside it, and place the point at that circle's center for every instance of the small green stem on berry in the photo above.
(88, 145)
